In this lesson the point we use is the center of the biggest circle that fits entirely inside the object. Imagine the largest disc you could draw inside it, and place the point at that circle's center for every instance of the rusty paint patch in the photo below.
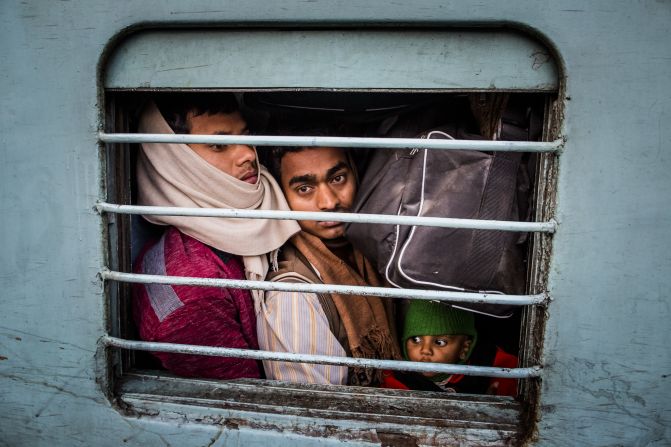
(397, 439)
(231, 425)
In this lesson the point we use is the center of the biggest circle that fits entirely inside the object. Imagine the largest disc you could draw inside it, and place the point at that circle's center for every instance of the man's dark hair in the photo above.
(176, 106)
(274, 163)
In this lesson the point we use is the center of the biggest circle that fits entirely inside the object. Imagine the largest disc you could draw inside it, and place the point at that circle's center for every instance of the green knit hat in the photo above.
(433, 318)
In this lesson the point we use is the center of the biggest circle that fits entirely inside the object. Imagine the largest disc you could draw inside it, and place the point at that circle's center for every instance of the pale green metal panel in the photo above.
(606, 379)
(608, 337)
(51, 303)
(348, 59)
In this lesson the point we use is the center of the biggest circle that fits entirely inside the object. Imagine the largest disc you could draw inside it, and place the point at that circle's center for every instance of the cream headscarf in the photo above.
(171, 174)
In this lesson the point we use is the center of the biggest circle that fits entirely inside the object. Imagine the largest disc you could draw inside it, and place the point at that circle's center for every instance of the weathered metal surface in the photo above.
(516, 373)
(606, 344)
(363, 414)
(387, 292)
(356, 59)
(445, 222)
(371, 143)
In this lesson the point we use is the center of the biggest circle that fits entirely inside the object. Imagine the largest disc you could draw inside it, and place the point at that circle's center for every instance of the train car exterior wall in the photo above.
(607, 358)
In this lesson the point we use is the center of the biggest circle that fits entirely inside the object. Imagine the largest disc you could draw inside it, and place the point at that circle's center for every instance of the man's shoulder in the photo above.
(178, 254)
(292, 266)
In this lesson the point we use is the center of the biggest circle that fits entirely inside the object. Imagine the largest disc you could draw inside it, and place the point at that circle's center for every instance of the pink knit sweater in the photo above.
(206, 316)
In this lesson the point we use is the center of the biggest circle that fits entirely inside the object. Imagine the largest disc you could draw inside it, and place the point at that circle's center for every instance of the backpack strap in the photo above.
(294, 267)
(497, 200)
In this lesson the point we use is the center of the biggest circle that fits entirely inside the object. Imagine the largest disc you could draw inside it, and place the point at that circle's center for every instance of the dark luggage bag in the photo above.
(442, 183)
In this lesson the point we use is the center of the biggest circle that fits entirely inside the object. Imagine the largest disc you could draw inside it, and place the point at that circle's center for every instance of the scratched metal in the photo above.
(606, 357)
(355, 58)
(391, 417)
(444, 222)
(396, 365)
(374, 143)
(387, 292)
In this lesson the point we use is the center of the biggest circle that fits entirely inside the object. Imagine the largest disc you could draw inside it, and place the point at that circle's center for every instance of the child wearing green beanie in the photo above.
(439, 333)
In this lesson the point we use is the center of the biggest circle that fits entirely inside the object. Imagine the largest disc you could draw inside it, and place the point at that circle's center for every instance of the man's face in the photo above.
(437, 349)
(319, 179)
(237, 160)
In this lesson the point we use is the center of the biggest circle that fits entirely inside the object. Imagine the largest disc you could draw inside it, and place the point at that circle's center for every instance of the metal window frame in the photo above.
(506, 414)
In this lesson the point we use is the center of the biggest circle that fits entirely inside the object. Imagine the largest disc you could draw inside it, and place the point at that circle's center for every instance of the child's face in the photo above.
(437, 349)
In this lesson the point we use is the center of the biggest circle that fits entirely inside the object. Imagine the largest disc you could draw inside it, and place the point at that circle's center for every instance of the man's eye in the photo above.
(338, 178)
(218, 147)
(304, 189)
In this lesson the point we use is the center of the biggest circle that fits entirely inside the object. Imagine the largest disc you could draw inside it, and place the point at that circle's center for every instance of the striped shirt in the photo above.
(295, 322)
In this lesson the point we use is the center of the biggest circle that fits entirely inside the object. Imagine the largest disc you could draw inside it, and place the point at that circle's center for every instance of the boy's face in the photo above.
(237, 160)
(437, 349)
(319, 179)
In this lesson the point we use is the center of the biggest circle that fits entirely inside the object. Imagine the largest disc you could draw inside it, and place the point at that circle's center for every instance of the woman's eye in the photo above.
(218, 147)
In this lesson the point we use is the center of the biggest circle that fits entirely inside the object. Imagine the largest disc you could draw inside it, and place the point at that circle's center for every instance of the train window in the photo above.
(498, 86)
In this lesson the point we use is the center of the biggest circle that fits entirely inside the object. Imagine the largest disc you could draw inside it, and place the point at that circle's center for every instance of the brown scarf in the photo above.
(366, 318)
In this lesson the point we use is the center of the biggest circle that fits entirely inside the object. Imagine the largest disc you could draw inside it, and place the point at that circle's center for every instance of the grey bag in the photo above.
(438, 183)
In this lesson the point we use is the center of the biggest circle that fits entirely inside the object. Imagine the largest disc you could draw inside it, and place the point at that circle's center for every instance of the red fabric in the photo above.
(505, 387)
(389, 381)
(208, 316)
(497, 386)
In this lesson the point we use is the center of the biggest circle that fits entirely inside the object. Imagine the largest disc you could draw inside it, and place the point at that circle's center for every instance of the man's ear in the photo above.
(465, 348)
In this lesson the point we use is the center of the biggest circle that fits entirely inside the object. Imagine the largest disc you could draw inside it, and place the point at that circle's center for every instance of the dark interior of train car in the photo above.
(518, 116)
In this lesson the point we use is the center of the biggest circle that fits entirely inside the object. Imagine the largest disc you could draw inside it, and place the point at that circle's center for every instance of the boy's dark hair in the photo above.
(176, 106)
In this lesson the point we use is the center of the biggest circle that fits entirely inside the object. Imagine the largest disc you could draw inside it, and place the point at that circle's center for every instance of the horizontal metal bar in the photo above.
(513, 373)
(386, 292)
(443, 222)
(356, 142)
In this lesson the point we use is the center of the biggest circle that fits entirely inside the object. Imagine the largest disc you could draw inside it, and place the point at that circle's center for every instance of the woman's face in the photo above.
(237, 160)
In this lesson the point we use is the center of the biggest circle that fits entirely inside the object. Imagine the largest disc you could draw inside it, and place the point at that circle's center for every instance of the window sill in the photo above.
(390, 417)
